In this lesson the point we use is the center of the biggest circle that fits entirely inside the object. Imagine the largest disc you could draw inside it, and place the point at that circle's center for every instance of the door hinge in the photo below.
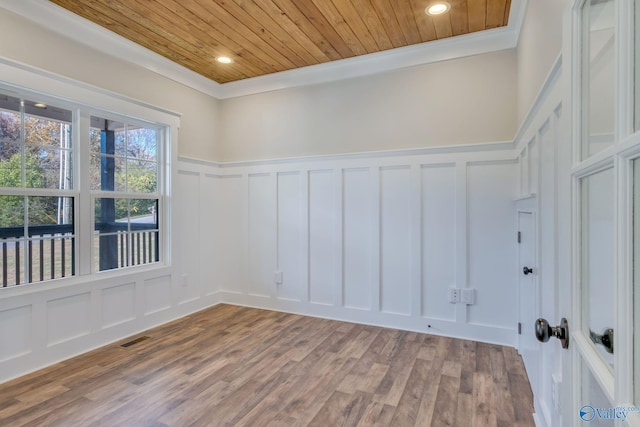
(519, 237)
(519, 328)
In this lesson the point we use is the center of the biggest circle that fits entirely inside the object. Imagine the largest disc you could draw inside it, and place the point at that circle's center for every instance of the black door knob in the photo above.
(544, 331)
(527, 270)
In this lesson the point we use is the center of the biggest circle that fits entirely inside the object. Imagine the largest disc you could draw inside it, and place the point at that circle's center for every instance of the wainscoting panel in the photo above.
(68, 318)
(290, 252)
(232, 241)
(439, 261)
(118, 304)
(210, 220)
(15, 332)
(357, 220)
(395, 239)
(492, 240)
(157, 294)
(262, 234)
(188, 215)
(322, 239)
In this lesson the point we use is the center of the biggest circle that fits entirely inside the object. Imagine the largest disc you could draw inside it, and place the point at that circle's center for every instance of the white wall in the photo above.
(461, 101)
(539, 45)
(373, 239)
(26, 42)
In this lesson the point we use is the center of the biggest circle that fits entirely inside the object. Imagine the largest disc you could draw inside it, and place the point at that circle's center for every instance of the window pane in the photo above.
(11, 240)
(51, 243)
(108, 137)
(10, 165)
(49, 168)
(9, 118)
(126, 233)
(144, 211)
(142, 143)
(111, 215)
(11, 212)
(108, 173)
(598, 74)
(597, 262)
(47, 125)
(48, 211)
(142, 176)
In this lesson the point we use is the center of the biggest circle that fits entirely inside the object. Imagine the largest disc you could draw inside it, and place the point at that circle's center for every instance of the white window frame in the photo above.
(85, 100)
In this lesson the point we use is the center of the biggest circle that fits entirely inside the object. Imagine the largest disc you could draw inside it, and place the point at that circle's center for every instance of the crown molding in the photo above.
(60, 20)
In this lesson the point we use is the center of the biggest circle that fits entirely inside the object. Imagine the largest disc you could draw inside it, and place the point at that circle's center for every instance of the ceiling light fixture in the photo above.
(224, 60)
(437, 8)
(40, 105)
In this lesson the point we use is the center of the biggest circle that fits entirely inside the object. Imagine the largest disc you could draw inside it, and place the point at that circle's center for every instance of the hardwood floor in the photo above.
(236, 366)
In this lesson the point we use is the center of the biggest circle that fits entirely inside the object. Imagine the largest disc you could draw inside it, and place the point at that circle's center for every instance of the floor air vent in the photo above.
(136, 341)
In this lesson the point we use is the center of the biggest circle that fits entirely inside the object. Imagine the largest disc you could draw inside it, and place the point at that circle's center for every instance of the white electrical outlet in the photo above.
(277, 277)
(184, 279)
(468, 296)
(454, 295)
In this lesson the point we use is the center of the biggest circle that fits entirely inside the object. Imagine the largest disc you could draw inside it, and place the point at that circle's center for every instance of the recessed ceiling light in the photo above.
(224, 60)
(437, 8)
(40, 105)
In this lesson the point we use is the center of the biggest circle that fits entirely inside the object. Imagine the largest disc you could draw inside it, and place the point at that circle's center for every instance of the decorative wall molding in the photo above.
(409, 152)
(363, 237)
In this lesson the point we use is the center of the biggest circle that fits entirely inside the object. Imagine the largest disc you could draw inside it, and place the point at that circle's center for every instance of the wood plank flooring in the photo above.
(237, 366)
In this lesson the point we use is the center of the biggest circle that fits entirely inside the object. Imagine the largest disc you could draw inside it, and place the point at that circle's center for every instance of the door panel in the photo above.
(597, 239)
(598, 76)
(596, 402)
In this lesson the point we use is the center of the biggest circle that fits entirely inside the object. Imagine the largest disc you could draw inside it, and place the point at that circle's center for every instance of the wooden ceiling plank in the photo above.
(459, 17)
(297, 42)
(168, 15)
(373, 23)
(189, 22)
(352, 17)
(100, 14)
(507, 11)
(406, 18)
(390, 22)
(243, 12)
(477, 15)
(335, 18)
(223, 22)
(442, 25)
(306, 26)
(495, 13)
(426, 23)
(288, 25)
(324, 27)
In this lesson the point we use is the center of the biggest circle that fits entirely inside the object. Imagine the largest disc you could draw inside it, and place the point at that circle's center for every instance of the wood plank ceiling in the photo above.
(268, 36)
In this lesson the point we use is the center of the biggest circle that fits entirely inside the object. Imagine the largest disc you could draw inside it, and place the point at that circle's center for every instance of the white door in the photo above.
(600, 374)
(528, 346)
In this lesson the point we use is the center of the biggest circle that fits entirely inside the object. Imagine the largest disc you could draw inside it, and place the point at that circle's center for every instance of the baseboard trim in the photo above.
(448, 328)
